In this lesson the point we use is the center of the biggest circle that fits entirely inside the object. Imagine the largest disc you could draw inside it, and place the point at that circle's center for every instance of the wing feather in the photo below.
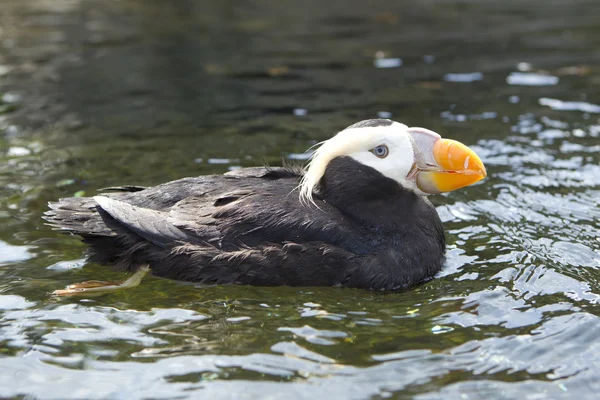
(152, 225)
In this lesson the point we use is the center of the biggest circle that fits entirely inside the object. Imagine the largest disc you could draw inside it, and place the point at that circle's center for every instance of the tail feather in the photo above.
(78, 215)
(110, 242)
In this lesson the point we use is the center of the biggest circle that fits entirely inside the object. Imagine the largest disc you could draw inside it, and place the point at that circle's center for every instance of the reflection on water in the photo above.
(96, 93)
(549, 349)
(9, 253)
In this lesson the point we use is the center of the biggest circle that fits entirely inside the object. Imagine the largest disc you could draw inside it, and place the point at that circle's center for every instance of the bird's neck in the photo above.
(368, 196)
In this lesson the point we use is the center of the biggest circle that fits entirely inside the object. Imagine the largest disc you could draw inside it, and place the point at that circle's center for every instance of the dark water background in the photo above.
(107, 92)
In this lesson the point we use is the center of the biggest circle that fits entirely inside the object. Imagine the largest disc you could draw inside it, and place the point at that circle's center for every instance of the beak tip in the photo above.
(482, 172)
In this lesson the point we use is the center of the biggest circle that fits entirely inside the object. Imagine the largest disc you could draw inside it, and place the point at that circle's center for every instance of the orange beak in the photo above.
(443, 164)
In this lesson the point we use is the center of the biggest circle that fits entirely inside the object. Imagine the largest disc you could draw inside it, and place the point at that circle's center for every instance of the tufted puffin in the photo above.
(356, 216)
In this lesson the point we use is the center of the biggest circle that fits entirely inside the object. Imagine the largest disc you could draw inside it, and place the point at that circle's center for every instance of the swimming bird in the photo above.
(356, 216)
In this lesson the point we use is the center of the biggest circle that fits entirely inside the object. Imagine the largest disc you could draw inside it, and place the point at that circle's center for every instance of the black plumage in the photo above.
(249, 227)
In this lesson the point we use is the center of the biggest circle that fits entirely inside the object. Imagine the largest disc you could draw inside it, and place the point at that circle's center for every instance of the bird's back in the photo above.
(220, 216)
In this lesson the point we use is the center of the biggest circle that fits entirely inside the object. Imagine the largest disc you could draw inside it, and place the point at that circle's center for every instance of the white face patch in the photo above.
(399, 160)
(357, 143)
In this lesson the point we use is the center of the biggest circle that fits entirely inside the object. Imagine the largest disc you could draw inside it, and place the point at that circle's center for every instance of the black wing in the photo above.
(244, 208)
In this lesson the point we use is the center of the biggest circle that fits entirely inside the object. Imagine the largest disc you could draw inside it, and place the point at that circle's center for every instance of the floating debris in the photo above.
(384, 114)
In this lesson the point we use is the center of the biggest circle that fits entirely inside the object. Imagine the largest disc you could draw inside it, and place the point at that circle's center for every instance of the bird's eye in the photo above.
(380, 151)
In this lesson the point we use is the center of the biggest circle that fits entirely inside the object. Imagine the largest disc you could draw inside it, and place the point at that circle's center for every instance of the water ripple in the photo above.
(515, 311)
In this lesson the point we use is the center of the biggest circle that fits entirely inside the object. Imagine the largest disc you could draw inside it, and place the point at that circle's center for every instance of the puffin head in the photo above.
(418, 159)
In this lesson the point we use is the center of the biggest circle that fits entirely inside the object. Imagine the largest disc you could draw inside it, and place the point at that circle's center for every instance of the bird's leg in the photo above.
(96, 288)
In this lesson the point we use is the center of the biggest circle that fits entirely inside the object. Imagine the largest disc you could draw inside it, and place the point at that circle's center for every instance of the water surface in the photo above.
(99, 93)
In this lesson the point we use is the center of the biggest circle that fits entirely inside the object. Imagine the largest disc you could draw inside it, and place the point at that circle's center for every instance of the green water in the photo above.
(99, 93)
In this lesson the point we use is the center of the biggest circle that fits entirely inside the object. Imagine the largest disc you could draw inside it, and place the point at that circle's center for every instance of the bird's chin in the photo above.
(434, 182)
